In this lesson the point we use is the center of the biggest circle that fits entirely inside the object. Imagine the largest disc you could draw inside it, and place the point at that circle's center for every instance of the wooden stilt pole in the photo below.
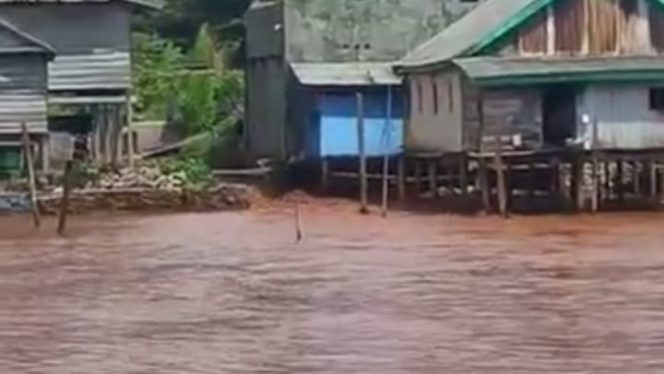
(636, 174)
(401, 176)
(502, 183)
(463, 175)
(418, 176)
(29, 162)
(298, 223)
(325, 174)
(386, 154)
(653, 179)
(433, 179)
(130, 132)
(485, 185)
(579, 177)
(66, 191)
(532, 180)
(595, 172)
(364, 204)
(620, 184)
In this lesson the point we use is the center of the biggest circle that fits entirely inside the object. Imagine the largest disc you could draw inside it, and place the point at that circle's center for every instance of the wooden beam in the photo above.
(364, 204)
(29, 162)
(66, 191)
(401, 176)
(502, 184)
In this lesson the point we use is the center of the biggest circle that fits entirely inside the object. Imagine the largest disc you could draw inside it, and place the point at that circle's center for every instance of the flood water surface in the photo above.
(233, 293)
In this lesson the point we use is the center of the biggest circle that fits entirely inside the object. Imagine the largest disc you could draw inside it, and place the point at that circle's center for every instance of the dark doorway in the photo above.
(559, 112)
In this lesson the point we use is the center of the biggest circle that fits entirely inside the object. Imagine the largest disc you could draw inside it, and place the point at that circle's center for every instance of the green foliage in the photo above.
(156, 63)
(195, 171)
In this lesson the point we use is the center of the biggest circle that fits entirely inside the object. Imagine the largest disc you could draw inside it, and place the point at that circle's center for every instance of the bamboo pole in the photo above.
(66, 191)
(27, 150)
(362, 155)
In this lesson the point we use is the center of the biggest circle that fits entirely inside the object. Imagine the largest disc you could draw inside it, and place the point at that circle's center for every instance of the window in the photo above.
(657, 99)
(434, 88)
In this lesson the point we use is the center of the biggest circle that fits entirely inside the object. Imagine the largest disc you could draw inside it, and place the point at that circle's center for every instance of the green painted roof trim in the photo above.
(514, 22)
(648, 76)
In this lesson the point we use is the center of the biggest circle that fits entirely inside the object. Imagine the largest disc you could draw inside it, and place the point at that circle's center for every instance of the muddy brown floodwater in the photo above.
(232, 293)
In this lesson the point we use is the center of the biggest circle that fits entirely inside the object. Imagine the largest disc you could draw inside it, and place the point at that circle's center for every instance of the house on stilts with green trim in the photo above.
(538, 76)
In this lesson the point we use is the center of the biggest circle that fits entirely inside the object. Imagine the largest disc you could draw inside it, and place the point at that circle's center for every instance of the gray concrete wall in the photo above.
(328, 30)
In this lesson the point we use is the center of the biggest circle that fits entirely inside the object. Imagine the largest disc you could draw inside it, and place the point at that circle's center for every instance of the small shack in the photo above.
(331, 118)
(91, 73)
(23, 96)
(545, 76)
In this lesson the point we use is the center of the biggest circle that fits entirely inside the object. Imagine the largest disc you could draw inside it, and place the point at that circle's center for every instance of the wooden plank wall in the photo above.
(594, 27)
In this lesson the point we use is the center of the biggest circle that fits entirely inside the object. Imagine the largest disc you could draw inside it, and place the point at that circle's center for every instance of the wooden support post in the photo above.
(386, 187)
(661, 185)
(364, 204)
(620, 182)
(418, 176)
(45, 154)
(502, 183)
(595, 173)
(130, 133)
(401, 176)
(66, 191)
(108, 134)
(653, 179)
(636, 174)
(532, 180)
(607, 180)
(579, 184)
(485, 186)
(325, 173)
(463, 175)
(30, 165)
(433, 179)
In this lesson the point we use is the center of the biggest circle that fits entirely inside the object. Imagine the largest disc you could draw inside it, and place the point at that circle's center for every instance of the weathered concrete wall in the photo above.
(329, 30)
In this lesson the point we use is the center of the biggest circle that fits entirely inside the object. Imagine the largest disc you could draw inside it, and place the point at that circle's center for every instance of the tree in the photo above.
(181, 19)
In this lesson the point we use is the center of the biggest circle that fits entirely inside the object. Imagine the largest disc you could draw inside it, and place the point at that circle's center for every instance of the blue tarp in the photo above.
(334, 125)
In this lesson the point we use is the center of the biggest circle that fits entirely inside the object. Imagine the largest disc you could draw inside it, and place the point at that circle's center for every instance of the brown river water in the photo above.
(233, 293)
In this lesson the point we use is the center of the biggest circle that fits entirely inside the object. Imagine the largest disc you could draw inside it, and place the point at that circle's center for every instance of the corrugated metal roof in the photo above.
(155, 4)
(101, 71)
(345, 74)
(470, 31)
(19, 41)
(518, 71)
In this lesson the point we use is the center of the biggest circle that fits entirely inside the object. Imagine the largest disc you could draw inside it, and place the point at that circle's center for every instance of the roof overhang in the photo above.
(493, 71)
(346, 74)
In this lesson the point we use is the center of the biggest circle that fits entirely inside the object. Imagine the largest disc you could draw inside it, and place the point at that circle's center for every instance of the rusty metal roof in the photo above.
(345, 74)
(100, 71)
(495, 71)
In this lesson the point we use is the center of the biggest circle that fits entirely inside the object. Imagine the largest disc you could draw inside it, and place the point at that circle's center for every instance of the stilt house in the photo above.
(307, 60)
(542, 73)
(92, 67)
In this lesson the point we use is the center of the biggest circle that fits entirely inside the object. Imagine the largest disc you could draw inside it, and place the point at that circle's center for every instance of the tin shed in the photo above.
(92, 67)
(23, 92)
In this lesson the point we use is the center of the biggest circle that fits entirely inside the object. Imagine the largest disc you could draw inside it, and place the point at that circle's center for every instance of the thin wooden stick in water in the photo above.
(36, 216)
(64, 204)
(298, 223)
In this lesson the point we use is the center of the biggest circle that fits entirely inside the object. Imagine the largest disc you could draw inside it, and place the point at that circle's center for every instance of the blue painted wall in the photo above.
(333, 126)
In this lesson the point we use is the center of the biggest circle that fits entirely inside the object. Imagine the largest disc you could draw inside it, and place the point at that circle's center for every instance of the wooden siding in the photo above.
(437, 126)
(504, 112)
(22, 93)
(593, 27)
(533, 37)
(623, 116)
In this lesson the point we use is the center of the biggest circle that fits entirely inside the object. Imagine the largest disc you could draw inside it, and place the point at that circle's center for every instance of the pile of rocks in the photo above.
(140, 177)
